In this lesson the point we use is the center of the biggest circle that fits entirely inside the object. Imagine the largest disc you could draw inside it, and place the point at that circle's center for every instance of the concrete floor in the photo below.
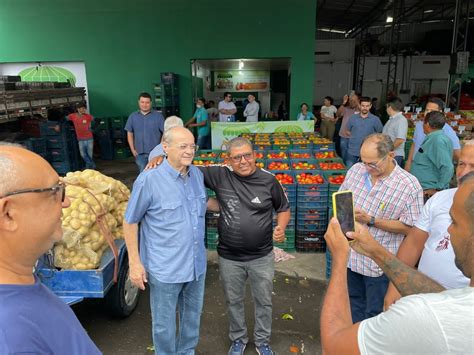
(298, 290)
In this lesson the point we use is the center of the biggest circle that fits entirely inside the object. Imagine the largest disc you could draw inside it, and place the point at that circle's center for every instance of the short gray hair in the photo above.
(435, 119)
(384, 143)
(238, 142)
(169, 134)
(173, 121)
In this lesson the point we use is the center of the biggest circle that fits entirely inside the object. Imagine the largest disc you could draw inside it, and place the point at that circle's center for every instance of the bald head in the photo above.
(175, 133)
(19, 166)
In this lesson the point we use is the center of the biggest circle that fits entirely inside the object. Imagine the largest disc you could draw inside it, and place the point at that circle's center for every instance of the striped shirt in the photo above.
(398, 196)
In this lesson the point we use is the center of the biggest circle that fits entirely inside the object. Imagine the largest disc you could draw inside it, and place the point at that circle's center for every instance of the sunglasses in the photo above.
(59, 188)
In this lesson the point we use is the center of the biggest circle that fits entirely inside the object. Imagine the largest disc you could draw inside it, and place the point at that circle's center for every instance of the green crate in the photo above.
(122, 153)
(103, 123)
(212, 238)
(118, 122)
(332, 160)
(289, 243)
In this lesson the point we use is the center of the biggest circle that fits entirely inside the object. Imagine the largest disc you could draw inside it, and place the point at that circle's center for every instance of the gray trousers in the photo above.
(234, 275)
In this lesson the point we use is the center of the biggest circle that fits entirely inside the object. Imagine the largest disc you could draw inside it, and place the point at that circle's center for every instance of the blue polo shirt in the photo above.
(201, 115)
(171, 208)
(147, 130)
(360, 128)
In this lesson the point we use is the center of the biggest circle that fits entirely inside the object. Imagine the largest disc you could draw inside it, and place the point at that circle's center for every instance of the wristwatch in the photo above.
(372, 221)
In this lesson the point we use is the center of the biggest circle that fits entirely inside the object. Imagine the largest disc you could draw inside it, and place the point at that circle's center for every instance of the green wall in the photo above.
(126, 44)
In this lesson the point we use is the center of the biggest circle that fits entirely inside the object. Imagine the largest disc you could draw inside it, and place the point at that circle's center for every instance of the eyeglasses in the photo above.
(238, 158)
(374, 165)
(184, 147)
(59, 188)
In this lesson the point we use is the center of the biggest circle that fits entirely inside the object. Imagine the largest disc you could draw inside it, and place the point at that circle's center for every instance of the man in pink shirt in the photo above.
(82, 125)
(350, 106)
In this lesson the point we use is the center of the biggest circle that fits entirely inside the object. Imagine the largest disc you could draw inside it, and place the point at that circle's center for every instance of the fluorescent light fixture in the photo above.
(330, 30)
(428, 11)
(241, 64)
(389, 19)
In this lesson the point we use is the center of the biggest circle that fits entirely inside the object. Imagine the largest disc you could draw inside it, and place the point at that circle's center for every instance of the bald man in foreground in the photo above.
(32, 319)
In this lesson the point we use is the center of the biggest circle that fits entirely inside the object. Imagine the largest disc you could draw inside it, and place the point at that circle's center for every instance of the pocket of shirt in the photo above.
(172, 211)
(202, 205)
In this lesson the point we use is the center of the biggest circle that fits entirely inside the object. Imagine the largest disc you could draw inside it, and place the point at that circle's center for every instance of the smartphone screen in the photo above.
(344, 210)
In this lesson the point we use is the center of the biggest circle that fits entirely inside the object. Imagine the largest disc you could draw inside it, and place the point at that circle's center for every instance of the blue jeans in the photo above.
(204, 142)
(86, 150)
(188, 297)
(351, 160)
(141, 160)
(344, 144)
(234, 275)
(366, 295)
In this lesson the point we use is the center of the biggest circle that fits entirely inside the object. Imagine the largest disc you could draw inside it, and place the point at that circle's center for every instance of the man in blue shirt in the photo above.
(170, 204)
(32, 319)
(358, 127)
(433, 104)
(144, 130)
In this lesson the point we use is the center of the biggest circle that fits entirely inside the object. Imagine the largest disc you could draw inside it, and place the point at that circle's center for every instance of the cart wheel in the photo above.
(122, 299)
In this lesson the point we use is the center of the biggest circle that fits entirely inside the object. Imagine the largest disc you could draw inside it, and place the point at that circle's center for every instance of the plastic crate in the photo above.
(302, 145)
(263, 146)
(260, 163)
(270, 162)
(282, 146)
(282, 154)
(58, 155)
(106, 147)
(62, 167)
(328, 264)
(119, 133)
(301, 154)
(118, 122)
(57, 142)
(289, 243)
(37, 145)
(122, 153)
(323, 147)
(50, 128)
(207, 153)
(302, 204)
(311, 242)
(318, 214)
(312, 164)
(212, 238)
(306, 226)
(211, 219)
(325, 154)
(331, 161)
(203, 161)
(103, 124)
(210, 193)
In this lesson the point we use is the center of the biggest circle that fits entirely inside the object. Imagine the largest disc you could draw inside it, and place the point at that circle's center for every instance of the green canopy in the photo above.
(48, 73)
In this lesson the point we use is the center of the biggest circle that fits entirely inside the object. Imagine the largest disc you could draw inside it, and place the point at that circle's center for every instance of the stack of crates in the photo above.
(36, 145)
(311, 218)
(62, 147)
(290, 232)
(170, 94)
(212, 236)
(103, 135)
(119, 137)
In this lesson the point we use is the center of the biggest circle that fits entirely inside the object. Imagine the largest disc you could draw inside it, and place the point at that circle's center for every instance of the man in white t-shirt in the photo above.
(227, 109)
(429, 320)
(430, 238)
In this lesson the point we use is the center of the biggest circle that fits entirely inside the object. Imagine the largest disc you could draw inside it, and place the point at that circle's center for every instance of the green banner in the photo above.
(223, 132)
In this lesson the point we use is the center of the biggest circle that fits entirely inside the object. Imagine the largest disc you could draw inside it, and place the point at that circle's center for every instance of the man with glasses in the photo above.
(247, 197)
(32, 319)
(433, 104)
(359, 126)
(388, 200)
(227, 109)
(433, 163)
(170, 204)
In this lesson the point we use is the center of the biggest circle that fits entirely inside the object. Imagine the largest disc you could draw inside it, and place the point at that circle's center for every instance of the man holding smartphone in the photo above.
(388, 200)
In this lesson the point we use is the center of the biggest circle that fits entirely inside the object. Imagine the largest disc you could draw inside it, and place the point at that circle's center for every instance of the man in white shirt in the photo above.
(251, 110)
(396, 128)
(227, 109)
(212, 111)
(433, 104)
(430, 320)
(429, 238)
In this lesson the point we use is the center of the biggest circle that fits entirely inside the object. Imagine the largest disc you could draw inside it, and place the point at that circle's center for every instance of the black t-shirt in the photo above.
(246, 204)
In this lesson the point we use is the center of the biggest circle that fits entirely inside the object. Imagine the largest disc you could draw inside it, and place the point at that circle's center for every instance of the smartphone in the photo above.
(343, 207)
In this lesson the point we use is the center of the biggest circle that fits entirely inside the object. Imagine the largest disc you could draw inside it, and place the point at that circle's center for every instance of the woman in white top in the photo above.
(328, 118)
